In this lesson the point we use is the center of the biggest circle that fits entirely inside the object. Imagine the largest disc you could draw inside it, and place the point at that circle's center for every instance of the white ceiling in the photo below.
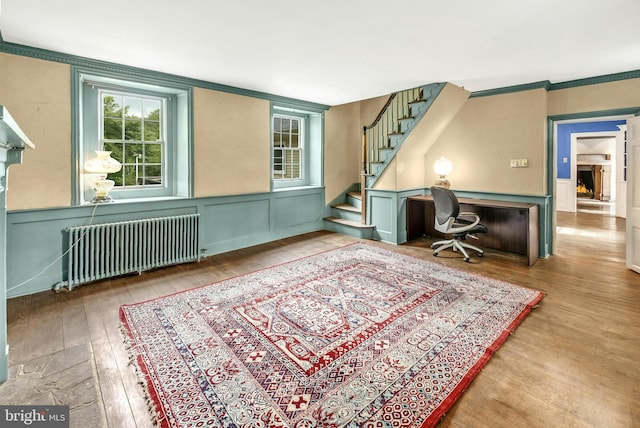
(338, 51)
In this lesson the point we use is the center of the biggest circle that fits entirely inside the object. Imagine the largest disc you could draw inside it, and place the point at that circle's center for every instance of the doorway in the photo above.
(599, 138)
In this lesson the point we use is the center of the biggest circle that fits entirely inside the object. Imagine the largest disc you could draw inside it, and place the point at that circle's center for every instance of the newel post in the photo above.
(363, 176)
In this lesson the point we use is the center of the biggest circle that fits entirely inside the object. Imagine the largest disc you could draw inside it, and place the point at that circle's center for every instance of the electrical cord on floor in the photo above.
(95, 207)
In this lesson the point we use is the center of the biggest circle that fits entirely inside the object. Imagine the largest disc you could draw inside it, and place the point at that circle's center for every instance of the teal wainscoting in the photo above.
(36, 238)
(387, 211)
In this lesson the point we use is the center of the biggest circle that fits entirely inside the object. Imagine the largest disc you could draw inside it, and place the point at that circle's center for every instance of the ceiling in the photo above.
(338, 51)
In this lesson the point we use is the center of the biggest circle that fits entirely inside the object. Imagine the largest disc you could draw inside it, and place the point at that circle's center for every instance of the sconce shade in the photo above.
(442, 166)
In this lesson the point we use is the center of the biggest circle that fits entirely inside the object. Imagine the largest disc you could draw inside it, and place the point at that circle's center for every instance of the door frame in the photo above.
(552, 152)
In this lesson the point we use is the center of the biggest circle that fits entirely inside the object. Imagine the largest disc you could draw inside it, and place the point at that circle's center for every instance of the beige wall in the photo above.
(408, 170)
(37, 94)
(486, 134)
(231, 144)
(231, 136)
(343, 143)
(590, 98)
(342, 162)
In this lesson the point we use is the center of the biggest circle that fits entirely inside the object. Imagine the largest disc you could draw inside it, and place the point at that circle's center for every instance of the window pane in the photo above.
(151, 131)
(294, 140)
(116, 177)
(276, 140)
(153, 153)
(153, 174)
(286, 125)
(152, 109)
(277, 124)
(295, 126)
(285, 140)
(112, 129)
(133, 152)
(293, 170)
(130, 176)
(115, 149)
(132, 129)
(132, 107)
(112, 106)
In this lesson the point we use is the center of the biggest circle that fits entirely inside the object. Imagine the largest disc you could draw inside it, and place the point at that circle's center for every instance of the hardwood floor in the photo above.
(573, 362)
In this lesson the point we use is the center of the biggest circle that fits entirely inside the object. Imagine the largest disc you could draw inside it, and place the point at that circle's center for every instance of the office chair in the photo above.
(451, 221)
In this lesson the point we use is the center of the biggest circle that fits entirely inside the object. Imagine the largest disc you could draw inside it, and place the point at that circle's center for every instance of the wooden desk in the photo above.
(513, 226)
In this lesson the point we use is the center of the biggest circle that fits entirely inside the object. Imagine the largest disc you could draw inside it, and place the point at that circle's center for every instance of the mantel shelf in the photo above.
(11, 136)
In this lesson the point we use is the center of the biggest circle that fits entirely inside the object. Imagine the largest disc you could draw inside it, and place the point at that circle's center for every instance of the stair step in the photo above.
(347, 207)
(349, 223)
(356, 195)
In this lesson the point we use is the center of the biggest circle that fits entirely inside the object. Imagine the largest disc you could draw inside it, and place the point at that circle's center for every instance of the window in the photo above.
(132, 129)
(296, 142)
(288, 148)
(146, 128)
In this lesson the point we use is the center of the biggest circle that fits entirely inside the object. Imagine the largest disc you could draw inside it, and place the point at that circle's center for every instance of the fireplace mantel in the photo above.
(13, 142)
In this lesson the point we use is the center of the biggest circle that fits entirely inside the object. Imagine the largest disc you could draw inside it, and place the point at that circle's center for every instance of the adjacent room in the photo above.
(344, 214)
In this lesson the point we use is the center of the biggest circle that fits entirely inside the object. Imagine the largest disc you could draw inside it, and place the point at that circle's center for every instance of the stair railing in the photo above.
(376, 138)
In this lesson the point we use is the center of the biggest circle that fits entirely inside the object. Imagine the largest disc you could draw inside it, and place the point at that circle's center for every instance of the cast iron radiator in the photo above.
(111, 249)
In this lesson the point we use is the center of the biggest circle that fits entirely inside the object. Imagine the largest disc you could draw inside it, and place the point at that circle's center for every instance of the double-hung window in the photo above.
(146, 127)
(296, 147)
(133, 129)
(288, 148)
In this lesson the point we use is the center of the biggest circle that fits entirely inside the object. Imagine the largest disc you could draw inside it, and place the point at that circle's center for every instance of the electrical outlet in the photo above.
(519, 163)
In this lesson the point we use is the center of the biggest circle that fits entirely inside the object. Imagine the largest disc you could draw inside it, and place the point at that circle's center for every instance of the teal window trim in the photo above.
(313, 150)
(84, 135)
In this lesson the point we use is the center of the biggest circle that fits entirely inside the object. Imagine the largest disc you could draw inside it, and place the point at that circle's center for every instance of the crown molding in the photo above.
(510, 89)
(548, 86)
(74, 60)
(607, 78)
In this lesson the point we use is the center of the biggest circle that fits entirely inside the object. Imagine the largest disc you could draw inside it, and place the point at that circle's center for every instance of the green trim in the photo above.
(511, 89)
(181, 154)
(607, 78)
(48, 55)
(35, 237)
(397, 217)
(551, 120)
(548, 86)
(551, 161)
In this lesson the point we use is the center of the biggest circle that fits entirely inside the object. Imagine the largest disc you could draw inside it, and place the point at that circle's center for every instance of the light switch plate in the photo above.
(519, 163)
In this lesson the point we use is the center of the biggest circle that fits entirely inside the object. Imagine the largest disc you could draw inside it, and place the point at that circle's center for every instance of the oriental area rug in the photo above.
(358, 336)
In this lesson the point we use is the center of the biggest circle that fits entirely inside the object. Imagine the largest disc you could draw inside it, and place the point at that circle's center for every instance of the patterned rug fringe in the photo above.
(133, 355)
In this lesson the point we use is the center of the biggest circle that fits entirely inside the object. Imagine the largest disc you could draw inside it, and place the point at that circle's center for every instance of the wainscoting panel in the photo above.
(36, 238)
(226, 222)
(295, 211)
(382, 208)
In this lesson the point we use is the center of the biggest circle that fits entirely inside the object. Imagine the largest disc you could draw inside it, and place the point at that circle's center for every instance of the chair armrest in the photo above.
(474, 222)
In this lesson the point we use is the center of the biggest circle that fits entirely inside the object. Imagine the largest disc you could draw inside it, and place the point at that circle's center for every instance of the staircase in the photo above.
(381, 142)
(385, 136)
(346, 217)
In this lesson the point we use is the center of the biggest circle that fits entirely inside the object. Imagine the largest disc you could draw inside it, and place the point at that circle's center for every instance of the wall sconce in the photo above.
(443, 168)
(102, 165)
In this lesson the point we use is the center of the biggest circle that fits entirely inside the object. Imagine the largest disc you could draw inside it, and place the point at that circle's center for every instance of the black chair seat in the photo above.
(448, 220)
